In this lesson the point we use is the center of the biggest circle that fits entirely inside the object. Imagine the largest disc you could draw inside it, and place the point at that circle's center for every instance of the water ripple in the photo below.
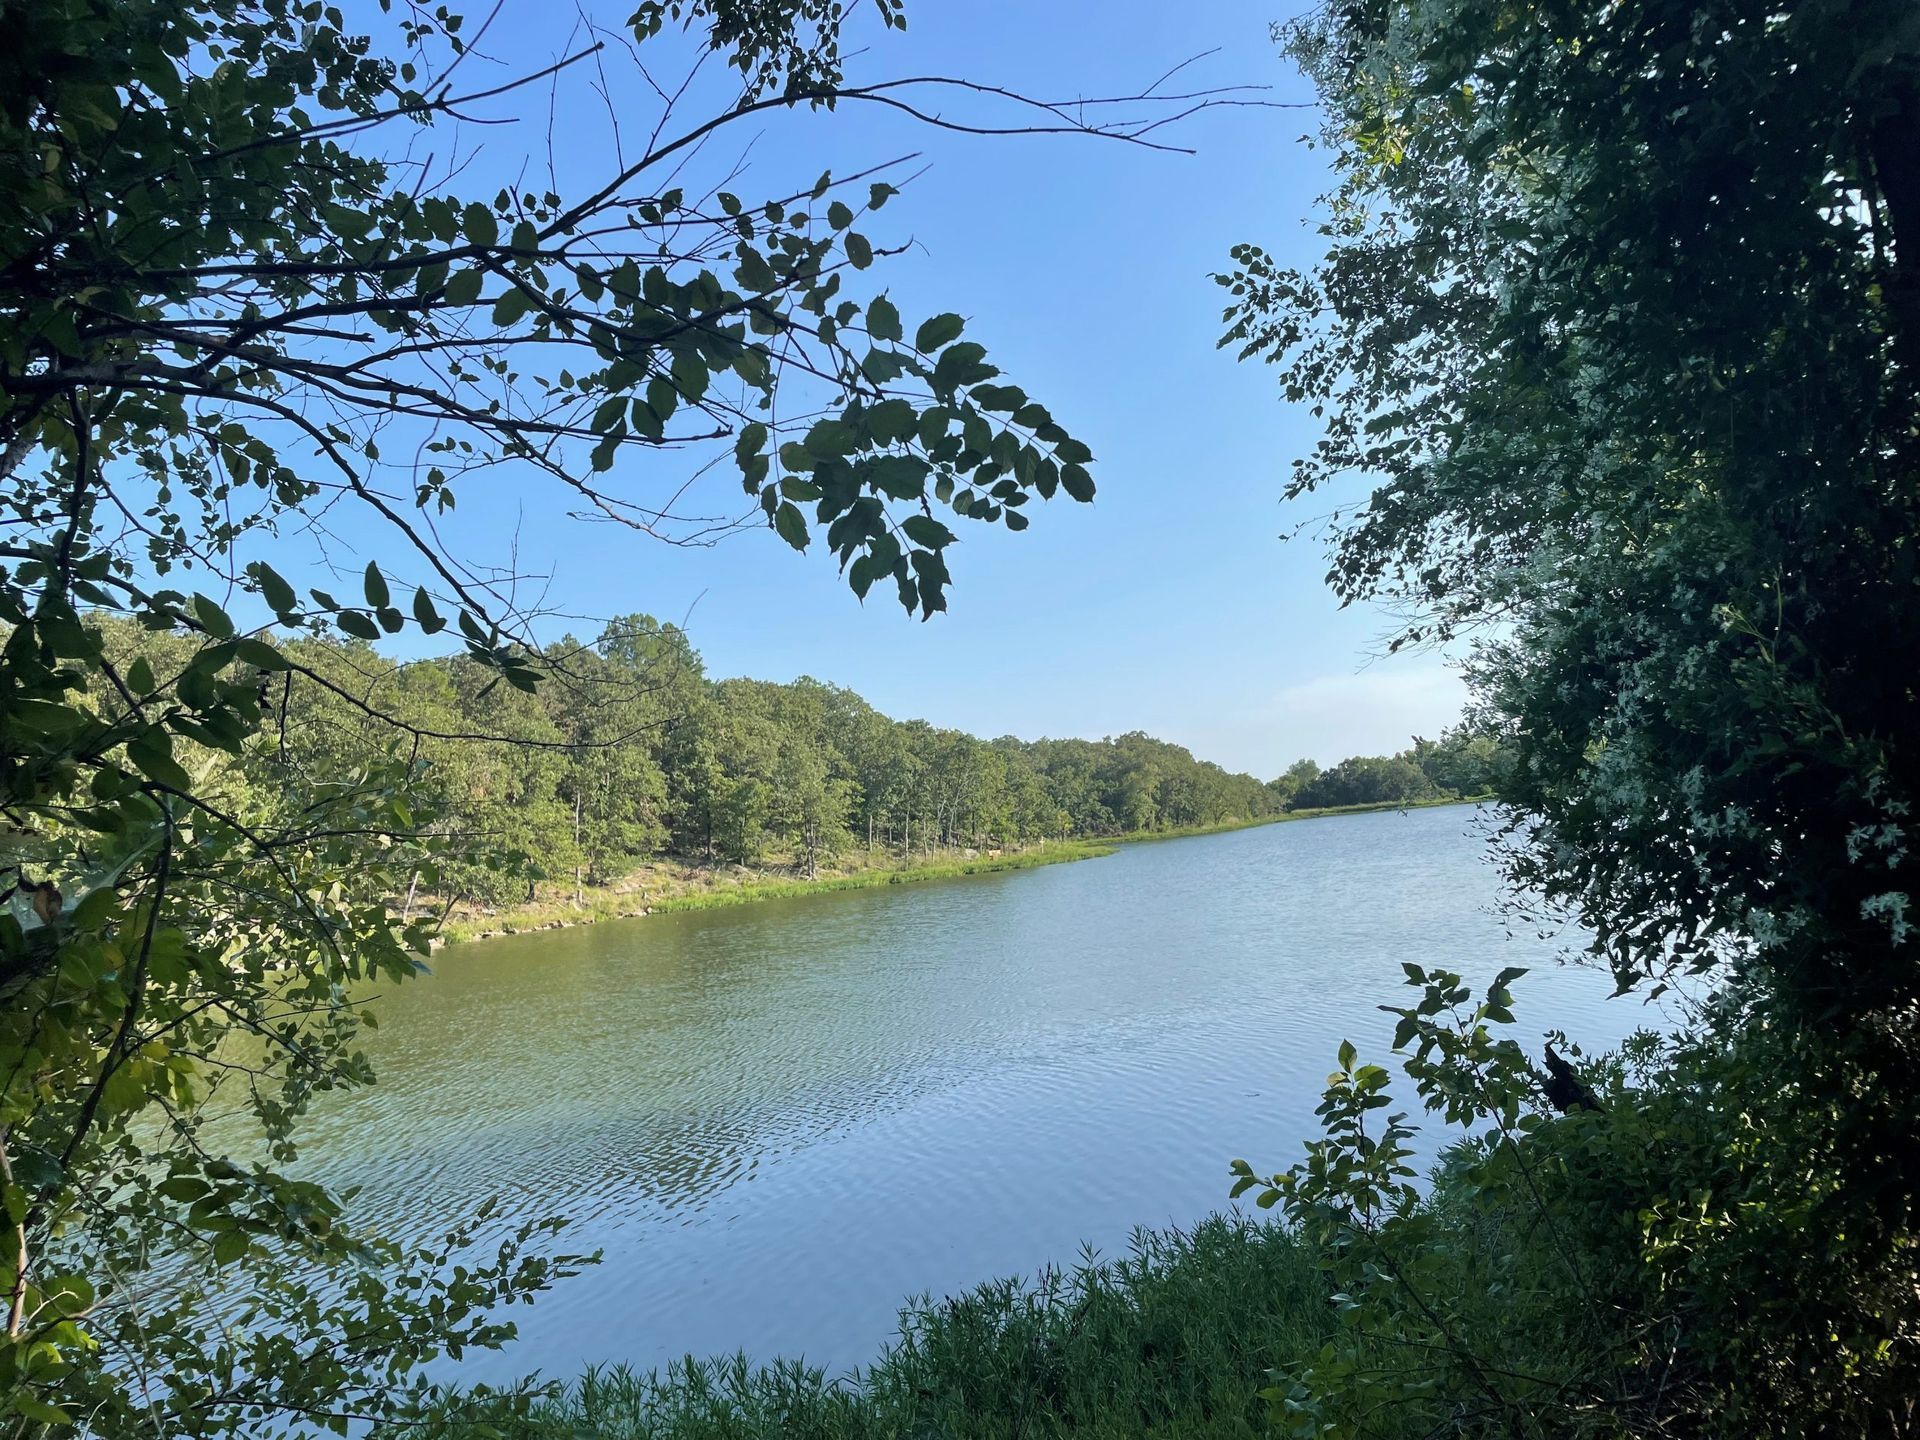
(779, 1120)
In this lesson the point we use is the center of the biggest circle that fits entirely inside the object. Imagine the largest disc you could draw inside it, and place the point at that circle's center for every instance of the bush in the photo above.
(1685, 1251)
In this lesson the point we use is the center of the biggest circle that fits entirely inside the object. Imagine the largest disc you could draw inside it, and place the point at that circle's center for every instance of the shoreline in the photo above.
(601, 905)
(605, 904)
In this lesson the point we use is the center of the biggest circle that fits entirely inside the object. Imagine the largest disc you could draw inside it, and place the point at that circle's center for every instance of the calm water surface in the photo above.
(781, 1119)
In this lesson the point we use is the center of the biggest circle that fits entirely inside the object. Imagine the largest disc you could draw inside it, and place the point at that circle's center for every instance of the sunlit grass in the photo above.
(717, 889)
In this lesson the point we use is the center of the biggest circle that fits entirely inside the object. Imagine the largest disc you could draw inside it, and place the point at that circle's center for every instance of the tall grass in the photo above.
(1174, 1339)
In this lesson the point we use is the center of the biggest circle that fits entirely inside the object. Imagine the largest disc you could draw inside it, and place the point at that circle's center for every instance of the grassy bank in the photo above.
(670, 885)
(666, 887)
(1175, 1339)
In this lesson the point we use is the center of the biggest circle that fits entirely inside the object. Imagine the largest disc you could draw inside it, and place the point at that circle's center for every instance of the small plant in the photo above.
(1436, 1287)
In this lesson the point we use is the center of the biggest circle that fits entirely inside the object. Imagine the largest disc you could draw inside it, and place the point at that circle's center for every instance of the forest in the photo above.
(630, 751)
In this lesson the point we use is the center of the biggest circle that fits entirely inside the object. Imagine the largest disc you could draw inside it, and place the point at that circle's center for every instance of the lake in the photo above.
(779, 1120)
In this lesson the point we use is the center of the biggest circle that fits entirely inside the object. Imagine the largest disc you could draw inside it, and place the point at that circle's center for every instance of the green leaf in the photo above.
(962, 364)
(1076, 482)
(376, 587)
(478, 224)
(791, 525)
(754, 273)
(904, 477)
(358, 624)
(891, 420)
(260, 655)
(212, 618)
(927, 531)
(940, 330)
(838, 215)
(44, 717)
(608, 414)
(646, 420)
(859, 250)
(33, 1408)
(691, 375)
(511, 305)
(428, 618)
(275, 591)
(152, 755)
(883, 320)
(464, 288)
(830, 439)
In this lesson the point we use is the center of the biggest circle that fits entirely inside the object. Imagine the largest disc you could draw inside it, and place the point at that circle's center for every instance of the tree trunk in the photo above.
(413, 885)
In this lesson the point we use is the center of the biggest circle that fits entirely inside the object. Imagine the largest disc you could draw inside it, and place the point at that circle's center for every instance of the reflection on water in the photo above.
(779, 1120)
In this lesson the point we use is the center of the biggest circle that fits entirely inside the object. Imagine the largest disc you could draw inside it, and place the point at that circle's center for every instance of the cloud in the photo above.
(1329, 717)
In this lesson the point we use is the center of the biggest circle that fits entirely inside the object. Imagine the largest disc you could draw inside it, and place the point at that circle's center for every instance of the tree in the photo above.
(1621, 306)
(1461, 762)
(809, 804)
(1297, 776)
(227, 312)
(1367, 780)
(609, 705)
(1586, 417)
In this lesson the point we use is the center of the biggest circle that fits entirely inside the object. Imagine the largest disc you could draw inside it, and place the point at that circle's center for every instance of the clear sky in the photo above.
(1172, 604)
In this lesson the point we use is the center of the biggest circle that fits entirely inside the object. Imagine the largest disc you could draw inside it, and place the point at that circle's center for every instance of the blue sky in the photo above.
(1171, 604)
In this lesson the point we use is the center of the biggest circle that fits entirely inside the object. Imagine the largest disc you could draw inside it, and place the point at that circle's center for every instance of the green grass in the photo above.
(718, 892)
(1055, 853)
(1174, 1339)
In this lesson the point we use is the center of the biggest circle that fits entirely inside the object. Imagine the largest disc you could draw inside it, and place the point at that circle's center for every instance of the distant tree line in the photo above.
(1463, 762)
(630, 751)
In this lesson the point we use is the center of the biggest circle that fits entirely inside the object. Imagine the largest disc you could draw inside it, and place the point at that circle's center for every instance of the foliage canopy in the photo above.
(244, 292)
(1621, 307)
